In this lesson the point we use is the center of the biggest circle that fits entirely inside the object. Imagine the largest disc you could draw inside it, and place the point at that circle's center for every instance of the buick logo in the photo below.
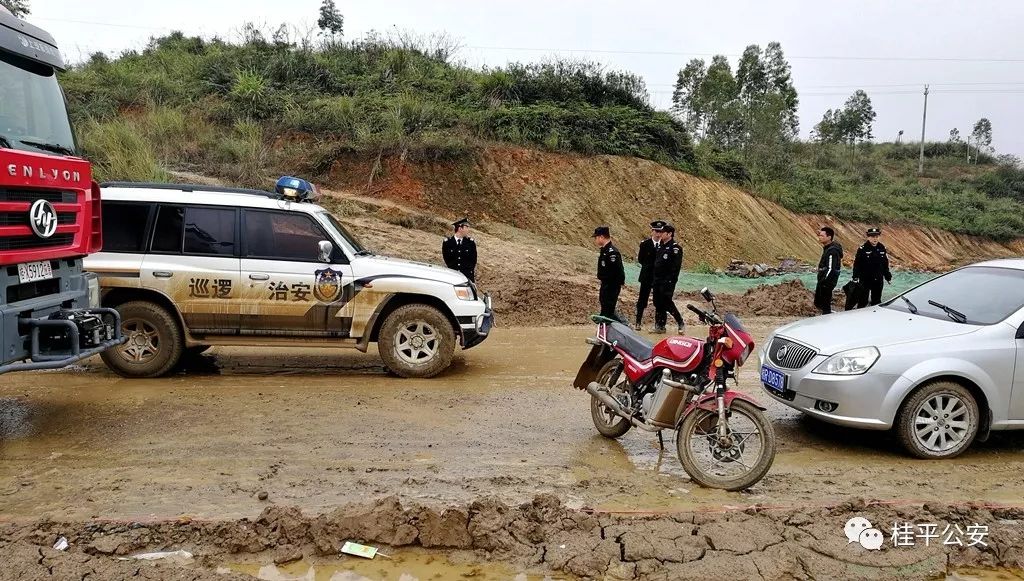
(780, 355)
(43, 218)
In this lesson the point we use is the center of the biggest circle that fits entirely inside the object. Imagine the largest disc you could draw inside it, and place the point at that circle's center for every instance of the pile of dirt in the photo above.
(542, 534)
(786, 299)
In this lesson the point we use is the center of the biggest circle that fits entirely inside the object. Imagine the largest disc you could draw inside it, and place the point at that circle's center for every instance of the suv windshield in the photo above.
(33, 115)
(344, 233)
(984, 294)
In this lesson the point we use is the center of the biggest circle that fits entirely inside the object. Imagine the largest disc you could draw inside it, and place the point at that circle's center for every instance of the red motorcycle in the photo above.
(723, 438)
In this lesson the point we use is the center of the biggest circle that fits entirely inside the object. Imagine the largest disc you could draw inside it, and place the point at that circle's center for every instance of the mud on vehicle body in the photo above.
(195, 266)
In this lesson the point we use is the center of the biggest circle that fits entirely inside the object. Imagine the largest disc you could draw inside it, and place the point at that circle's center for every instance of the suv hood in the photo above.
(876, 326)
(373, 265)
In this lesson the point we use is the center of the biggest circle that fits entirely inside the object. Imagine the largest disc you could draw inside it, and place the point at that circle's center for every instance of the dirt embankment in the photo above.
(562, 197)
(538, 535)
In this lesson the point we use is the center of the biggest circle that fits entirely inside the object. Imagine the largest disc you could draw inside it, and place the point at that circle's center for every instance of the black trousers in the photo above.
(609, 299)
(641, 302)
(664, 305)
(872, 293)
(823, 297)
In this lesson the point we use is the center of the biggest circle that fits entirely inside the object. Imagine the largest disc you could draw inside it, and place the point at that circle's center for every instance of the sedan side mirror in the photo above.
(326, 251)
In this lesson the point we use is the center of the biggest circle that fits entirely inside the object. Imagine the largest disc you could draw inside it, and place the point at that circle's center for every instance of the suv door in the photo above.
(286, 289)
(193, 260)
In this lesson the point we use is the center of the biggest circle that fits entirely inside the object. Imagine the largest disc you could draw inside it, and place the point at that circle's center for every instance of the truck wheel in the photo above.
(940, 420)
(154, 343)
(416, 341)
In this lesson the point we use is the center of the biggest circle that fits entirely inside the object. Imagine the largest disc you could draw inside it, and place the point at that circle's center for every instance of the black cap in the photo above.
(874, 231)
(462, 222)
(669, 228)
(658, 225)
(602, 231)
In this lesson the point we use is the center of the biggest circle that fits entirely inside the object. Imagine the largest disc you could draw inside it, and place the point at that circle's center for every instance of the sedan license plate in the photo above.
(33, 271)
(774, 380)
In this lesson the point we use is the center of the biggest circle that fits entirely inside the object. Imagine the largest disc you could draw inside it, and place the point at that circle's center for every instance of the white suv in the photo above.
(189, 267)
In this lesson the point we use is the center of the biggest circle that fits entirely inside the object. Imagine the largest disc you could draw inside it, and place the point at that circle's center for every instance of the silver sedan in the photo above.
(942, 364)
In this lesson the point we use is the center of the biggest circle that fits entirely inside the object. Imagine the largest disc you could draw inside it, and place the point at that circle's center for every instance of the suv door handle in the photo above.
(162, 274)
(259, 276)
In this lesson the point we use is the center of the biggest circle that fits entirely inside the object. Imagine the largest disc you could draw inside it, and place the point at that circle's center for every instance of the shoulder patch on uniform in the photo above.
(676, 250)
(611, 257)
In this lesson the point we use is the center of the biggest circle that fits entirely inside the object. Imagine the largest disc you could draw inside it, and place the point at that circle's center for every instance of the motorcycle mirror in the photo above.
(704, 292)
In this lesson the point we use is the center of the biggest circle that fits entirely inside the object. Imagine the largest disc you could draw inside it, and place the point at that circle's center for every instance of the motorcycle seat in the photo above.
(627, 340)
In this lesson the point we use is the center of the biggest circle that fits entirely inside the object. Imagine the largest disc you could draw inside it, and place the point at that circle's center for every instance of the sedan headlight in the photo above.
(464, 292)
(852, 362)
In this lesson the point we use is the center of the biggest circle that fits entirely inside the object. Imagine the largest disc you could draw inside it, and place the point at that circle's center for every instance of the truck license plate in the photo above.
(33, 271)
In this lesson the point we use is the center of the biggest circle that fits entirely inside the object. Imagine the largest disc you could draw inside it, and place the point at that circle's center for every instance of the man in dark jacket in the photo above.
(459, 250)
(870, 268)
(667, 264)
(828, 269)
(648, 250)
(610, 272)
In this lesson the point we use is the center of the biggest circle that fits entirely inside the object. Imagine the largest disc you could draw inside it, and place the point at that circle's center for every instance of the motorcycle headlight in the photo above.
(464, 292)
(853, 362)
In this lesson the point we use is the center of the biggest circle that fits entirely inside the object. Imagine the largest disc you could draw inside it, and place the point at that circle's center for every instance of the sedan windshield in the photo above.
(983, 295)
(33, 116)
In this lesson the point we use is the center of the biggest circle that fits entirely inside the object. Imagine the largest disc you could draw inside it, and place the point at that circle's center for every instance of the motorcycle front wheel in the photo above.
(736, 464)
(607, 422)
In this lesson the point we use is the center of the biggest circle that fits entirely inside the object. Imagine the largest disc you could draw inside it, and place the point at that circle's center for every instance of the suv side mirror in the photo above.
(326, 251)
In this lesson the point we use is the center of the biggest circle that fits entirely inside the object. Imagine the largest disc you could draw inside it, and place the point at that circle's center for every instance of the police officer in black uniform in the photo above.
(645, 258)
(667, 264)
(610, 272)
(870, 268)
(459, 250)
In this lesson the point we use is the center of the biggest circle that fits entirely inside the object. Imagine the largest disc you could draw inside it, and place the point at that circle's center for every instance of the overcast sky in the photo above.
(976, 51)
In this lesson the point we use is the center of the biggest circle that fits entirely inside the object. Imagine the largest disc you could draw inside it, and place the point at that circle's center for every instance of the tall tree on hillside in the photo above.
(719, 100)
(331, 22)
(954, 135)
(982, 133)
(781, 82)
(686, 102)
(850, 124)
(18, 8)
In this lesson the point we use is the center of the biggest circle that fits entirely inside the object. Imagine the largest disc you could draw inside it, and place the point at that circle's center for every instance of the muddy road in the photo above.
(320, 429)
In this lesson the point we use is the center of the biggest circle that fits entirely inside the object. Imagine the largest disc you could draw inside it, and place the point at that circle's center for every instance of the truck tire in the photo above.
(940, 420)
(416, 341)
(154, 344)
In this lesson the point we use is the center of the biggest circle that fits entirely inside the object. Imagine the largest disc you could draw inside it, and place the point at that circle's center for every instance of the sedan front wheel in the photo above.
(940, 420)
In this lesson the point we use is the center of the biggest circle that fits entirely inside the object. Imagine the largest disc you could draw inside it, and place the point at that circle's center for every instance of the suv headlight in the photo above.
(853, 362)
(464, 292)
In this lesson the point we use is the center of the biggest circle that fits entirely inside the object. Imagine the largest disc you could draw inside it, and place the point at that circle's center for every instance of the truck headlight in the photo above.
(464, 292)
(853, 362)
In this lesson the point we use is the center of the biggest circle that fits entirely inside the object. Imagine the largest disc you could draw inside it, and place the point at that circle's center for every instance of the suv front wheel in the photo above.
(154, 341)
(416, 341)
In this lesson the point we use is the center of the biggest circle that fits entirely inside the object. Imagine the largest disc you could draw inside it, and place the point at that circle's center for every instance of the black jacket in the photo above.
(830, 264)
(871, 263)
(609, 266)
(459, 256)
(646, 260)
(668, 262)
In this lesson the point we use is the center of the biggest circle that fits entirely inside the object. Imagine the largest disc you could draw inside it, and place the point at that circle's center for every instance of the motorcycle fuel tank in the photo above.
(679, 353)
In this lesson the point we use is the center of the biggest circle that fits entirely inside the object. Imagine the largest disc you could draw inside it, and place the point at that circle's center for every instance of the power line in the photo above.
(93, 23)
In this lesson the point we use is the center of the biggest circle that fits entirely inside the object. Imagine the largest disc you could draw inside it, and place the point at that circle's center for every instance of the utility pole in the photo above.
(924, 119)
(899, 137)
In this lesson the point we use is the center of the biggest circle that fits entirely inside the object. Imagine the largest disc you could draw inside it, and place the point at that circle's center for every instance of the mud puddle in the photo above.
(402, 564)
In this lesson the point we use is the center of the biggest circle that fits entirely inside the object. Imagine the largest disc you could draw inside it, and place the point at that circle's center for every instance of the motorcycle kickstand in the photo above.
(661, 441)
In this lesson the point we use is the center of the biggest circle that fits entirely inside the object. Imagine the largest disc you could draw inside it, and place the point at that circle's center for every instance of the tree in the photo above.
(719, 101)
(686, 103)
(850, 124)
(331, 22)
(954, 135)
(780, 80)
(18, 8)
(982, 134)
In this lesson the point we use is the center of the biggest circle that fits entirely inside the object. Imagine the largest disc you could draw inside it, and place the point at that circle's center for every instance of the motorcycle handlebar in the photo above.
(704, 315)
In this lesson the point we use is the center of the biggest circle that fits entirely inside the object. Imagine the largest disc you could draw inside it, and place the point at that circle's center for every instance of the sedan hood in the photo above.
(876, 326)
(376, 265)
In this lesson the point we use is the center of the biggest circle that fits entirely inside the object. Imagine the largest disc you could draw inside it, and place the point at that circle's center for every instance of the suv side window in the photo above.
(282, 236)
(167, 232)
(210, 231)
(124, 226)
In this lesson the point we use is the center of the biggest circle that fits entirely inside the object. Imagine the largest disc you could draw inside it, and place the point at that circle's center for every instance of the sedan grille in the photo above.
(788, 354)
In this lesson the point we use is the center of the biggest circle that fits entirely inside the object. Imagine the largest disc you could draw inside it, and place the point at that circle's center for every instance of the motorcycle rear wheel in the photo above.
(606, 421)
(728, 468)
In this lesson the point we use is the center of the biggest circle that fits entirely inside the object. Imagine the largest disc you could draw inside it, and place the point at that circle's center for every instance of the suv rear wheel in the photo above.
(416, 341)
(154, 343)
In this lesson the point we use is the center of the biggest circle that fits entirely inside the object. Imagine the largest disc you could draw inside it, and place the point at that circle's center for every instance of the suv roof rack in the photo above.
(190, 188)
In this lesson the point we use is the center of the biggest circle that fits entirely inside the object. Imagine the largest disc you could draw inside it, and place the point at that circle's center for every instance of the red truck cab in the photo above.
(50, 215)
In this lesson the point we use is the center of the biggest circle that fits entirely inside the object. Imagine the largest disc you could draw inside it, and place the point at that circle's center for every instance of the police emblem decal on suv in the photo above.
(327, 285)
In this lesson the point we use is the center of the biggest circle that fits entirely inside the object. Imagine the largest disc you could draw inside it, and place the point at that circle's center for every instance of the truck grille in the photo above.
(788, 354)
(52, 196)
(26, 242)
(14, 208)
(21, 218)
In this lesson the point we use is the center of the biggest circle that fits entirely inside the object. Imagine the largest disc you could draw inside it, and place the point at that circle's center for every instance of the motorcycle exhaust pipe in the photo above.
(599, 391)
